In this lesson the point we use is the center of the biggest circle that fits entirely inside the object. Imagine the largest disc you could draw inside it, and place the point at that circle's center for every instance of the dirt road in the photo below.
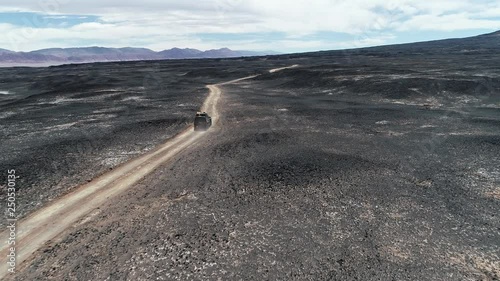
(283, 68)
(47, 223)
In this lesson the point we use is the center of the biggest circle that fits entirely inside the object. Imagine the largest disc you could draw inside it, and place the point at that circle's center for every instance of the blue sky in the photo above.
(292, 26)
(39, 20)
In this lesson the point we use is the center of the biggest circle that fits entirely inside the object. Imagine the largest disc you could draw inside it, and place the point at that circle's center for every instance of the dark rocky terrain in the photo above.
(62, 126)
(370, 164)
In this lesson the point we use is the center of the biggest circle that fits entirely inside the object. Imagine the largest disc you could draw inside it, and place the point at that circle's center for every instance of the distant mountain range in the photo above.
(56, 56)
(486, 43)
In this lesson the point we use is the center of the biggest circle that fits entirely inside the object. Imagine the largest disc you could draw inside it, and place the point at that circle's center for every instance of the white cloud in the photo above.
(461, 21)
(160, 24)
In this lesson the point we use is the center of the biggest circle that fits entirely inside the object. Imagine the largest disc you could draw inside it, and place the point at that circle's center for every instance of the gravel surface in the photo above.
(62, 126)
(350, 167)
(317, 173)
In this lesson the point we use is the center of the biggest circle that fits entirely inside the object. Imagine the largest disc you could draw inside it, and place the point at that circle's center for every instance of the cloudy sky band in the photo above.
(250, 25)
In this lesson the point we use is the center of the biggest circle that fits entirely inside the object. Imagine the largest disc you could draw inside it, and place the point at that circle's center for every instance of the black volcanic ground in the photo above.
(64, 125)
(377, 164)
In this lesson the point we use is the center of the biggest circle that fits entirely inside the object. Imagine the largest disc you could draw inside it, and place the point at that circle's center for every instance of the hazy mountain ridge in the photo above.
(102, 54)
(485, 43)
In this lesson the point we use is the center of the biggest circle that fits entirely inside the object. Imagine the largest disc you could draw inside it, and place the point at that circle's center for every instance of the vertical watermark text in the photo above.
(11, 219)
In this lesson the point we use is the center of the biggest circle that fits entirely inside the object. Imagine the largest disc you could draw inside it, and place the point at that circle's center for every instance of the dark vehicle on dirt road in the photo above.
(202, 121)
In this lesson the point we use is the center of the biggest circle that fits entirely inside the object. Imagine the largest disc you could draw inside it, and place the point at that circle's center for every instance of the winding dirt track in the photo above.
(282, 68)
(50, 221)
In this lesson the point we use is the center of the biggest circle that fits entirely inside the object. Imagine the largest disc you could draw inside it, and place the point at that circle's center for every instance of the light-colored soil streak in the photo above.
(50, 221)
(283, 68)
